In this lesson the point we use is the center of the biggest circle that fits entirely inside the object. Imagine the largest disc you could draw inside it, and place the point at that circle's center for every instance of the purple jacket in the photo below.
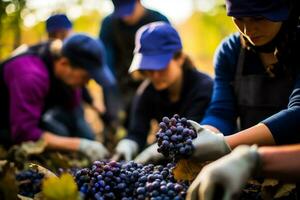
(28, 84)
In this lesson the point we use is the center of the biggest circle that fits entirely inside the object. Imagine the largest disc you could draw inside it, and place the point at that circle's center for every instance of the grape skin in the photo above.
(175, 137)
(129, 181)
(30, 182)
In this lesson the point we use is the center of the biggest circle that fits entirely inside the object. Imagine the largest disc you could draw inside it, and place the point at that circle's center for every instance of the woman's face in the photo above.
(163, 79)
(258, 30)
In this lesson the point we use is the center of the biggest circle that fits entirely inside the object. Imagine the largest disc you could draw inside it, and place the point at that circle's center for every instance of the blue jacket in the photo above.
(222, 112)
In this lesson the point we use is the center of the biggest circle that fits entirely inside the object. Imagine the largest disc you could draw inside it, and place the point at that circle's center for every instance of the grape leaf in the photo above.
(24, 198)
(270, 183)
(284, 190)
(55, 188)
(47, 173)
(59, 160)
(33, 147)
(187, 169)
(274, 189)
(17, 156)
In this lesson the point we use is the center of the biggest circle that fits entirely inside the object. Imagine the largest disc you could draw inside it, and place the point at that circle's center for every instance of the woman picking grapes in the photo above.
(172, 85)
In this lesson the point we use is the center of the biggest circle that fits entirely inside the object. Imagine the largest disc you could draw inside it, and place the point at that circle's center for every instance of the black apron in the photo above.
(259, 96)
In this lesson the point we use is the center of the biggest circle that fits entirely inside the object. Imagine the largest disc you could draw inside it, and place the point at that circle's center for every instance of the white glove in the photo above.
(208, 144)
(150, 154)
(93, 149)
(230, 173)
(127, 148)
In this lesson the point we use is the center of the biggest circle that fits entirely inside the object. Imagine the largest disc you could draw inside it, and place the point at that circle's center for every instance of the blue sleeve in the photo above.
(106, 37)
(284, 125)
(222, 112)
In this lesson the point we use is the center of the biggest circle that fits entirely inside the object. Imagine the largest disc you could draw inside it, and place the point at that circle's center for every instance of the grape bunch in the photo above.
(175, 137)
(129, 181)
(29, 182)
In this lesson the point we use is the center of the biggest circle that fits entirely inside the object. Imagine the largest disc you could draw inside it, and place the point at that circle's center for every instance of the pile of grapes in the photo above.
(29, 182)
(129, 181)
(175, 137)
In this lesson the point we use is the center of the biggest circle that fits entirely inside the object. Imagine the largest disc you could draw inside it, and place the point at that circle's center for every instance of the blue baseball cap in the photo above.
(273, 10)
(123, 8)
(58, 22)
(155, 46)
(88, 53)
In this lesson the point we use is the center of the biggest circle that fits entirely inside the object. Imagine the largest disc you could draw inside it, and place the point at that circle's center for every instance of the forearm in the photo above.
(281, 162)
(60, 143)
(259, 134)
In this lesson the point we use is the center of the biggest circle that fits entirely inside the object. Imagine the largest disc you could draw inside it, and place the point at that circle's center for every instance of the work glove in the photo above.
(93, 149)
(149, 155)
(227, 176)
(126, 149)
(208, 145)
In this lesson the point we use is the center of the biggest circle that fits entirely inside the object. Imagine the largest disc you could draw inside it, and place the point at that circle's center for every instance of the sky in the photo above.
(176, 10)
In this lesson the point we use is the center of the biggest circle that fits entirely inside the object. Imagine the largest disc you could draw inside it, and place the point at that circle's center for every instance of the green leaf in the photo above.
(47, 173)
(270, 183)
(284, 190)
(187, 169)
(34, 147)
(24, 198)
(17, 156)
(55, 188)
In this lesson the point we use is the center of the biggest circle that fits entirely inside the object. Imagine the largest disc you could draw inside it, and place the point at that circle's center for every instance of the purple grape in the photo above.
(30, 182)
(173, 121)
(179, 134)
(163, 126)
(166, 120)
(168, 132)
(129, 181)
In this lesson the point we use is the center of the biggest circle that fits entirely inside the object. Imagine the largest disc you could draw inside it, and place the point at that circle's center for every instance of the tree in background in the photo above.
(10, 24)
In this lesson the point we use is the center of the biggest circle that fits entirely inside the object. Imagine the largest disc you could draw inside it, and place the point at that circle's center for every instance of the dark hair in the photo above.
(52, 34)
(287, 46)
(188, 63)
(285, 43)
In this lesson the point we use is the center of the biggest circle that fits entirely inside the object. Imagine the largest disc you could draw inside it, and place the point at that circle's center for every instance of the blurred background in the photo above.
(202, 24)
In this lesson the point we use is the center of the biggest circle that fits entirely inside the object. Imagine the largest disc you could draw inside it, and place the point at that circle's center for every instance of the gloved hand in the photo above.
(150, 154)
(126, 148)
(93, 149)
(208, 144)
(230, 174)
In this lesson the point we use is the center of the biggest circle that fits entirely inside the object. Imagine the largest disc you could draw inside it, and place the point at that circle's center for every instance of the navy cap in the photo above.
(155, 46)
(273, 10)
(58, 22)
(123, 8)
(88, 53)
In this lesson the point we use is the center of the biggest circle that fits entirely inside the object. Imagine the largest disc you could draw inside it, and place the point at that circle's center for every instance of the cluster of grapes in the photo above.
(129, 181)
(175, 137)
(29, 182)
